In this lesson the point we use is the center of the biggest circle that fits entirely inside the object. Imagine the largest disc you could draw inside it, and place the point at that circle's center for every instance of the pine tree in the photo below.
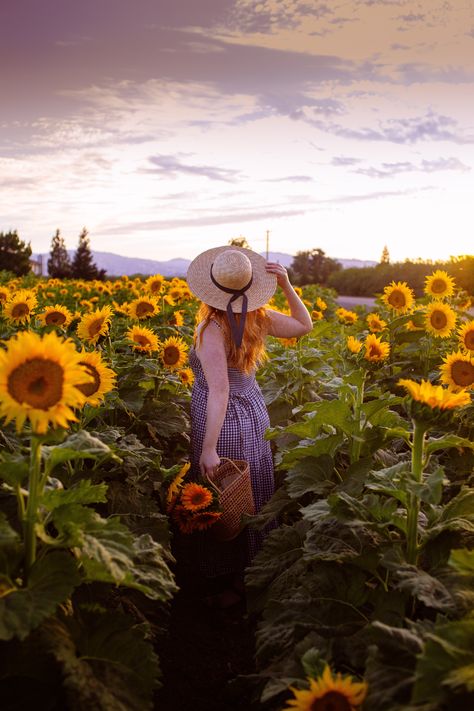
(385, 258)
(59, 264)
(83, 266)
(14, 254)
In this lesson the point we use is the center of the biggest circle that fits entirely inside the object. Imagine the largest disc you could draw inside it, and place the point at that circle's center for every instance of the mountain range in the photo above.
(116, 264)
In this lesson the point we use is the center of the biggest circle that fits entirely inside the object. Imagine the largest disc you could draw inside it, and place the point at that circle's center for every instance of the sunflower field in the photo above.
(363, 594)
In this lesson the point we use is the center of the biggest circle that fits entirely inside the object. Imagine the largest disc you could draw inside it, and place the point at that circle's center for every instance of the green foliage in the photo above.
(312, 267)
(59, 264)
(14, 254)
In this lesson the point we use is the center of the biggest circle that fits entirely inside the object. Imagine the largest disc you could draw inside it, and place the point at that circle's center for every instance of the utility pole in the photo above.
(268, 238)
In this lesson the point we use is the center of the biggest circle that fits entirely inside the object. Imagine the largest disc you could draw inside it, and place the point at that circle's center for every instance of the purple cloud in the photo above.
(170, 166)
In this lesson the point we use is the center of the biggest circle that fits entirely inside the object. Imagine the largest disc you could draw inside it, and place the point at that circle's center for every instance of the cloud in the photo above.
(344, 160)
(388, 170)
(431, 127)
(170, 166)
(291, 179)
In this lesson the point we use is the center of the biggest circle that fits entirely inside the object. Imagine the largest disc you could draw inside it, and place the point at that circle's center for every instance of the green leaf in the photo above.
(14, 470)
(425, 587)
(106, 661)
(313, 474)
(334, 413)
(448, 441)
(462, 560)
(52, 580)
(8, 535)
(80, 445)
(82, 493)
(457, 515)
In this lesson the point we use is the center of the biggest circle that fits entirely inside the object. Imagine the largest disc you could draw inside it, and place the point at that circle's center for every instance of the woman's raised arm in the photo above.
(299, 322)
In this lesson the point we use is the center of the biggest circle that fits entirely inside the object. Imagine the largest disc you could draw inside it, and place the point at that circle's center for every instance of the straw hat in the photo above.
(218, 274)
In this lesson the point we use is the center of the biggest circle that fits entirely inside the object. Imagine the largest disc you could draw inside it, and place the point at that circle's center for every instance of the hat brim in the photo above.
(258, 294)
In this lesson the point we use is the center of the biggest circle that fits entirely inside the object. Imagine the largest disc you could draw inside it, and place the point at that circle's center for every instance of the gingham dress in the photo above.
(241, 437)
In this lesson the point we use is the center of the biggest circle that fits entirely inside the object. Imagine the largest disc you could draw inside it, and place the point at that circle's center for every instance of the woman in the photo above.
(228, 413)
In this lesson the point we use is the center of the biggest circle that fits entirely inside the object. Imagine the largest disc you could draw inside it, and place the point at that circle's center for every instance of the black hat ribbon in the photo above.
(237, 330)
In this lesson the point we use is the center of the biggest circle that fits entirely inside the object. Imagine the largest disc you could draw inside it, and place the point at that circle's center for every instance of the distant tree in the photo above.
(239, 242)
(312, 267)
(385, 258)
(14, 254)
(59, 264)
(83, 266)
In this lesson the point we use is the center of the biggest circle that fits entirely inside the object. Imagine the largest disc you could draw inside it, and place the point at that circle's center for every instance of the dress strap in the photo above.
(212, 320)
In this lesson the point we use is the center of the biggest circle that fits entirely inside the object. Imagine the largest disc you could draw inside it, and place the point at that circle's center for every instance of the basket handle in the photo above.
(223, 459)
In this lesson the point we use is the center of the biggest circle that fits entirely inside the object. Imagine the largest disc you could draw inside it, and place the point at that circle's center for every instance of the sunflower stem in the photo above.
(356, 443)
(419, 431)
(31, 513)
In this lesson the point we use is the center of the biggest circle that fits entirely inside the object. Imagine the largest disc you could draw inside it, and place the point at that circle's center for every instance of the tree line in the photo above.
(15, 257)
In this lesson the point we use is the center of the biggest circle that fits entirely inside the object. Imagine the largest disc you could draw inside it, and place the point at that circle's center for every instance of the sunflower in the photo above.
(440, 319)
(466, 336)
(435, 395)
(375, 323)
(143, 307)
(173, 353)
(4, 294)
(353, 344)
(38, 380)
(103, 377)
(176, 318)
(398, 296)
(19, 306)
(204, 519)
(143, 339)
(56, 315)
(289, 342)
(186, 376)
(95, 324)
(329, 693)
(182, 518)
(345, 316)
(195, 497)
(439, 285)
(154, 284)
(168, 299)
(316, 315)
(321, 304)
(458, 370)
(375, 349)
(176, 484)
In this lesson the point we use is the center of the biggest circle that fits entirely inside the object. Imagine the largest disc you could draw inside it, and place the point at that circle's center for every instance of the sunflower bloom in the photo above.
(375, 323)
(176, 484)
(458, 370)
(375, 349)
(154, 284)
(321, 304)
(439, 284)
(466, 336)
(195, 497)
(4, 294)
(435, 396)
(103, 377)
(316, 315)
(95, 324)
(353, 344)
(329, 692)
(398, 296)
(345, 316)
(440, 319)
(173, 353)
(186, 376)
(176, 318)
(143, 307)
(20, 305)
(183, 519)
(56, 315)
(38, 380)
(205, 519)
(143, 339)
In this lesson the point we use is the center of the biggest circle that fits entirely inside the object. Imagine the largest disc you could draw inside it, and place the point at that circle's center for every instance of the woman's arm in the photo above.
(211, 353)
(299, 322)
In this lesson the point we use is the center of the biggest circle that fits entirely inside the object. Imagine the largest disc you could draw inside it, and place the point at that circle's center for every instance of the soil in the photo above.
(208, 652)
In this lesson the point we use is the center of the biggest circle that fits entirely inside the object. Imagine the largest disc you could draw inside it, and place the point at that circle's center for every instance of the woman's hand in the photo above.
(208, 461)
(280, 273)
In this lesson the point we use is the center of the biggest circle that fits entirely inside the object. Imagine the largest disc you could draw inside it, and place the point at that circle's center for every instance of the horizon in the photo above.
(347, 126)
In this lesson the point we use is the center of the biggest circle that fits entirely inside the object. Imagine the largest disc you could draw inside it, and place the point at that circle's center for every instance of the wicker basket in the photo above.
(232, 481)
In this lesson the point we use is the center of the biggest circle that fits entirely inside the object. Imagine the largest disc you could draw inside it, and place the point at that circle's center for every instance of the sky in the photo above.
(166, 127)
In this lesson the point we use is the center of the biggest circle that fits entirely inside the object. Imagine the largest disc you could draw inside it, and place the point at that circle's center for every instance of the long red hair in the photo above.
(252, 349)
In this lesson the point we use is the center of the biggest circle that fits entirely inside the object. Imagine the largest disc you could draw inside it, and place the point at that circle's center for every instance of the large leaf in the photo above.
(425, 587)
(51, 581)
(449, 440)
(110, 553)
(334, 413)
(80, 445)
(82, 493)
(312, 474)
(106, 661)
(457, 515)
(13, 469)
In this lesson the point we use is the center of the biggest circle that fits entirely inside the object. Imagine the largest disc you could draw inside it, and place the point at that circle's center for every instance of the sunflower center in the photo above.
(171, 355)
(397, 299)
(20, 310)
(374, 352)
(144, 308)
(155, 286)
(55, 318)
(89, 389)
(38, 382)
(438, 286)
(95, 327)
(332, 701)
(3, 297)
(462, 373)
(438, 320)
(142, 341)
(469, 340)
